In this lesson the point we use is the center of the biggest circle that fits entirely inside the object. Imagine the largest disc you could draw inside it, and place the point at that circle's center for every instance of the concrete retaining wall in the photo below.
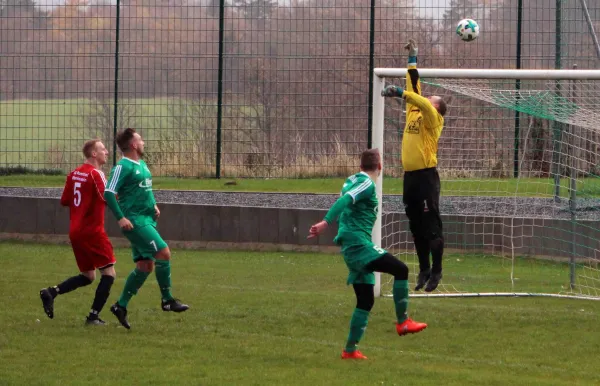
(203, 226)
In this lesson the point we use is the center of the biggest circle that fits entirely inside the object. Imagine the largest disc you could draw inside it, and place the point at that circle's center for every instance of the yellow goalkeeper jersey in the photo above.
(423, 126)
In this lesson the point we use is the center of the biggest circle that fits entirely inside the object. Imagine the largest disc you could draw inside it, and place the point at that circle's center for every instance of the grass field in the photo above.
(280, 318)
(35, 131)
(526, 187)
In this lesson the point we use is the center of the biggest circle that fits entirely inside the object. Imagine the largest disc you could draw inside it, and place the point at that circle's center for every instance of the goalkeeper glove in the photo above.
(412, 48)
(392, 91)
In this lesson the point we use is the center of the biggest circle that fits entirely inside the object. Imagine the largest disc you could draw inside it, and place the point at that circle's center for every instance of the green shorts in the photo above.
(357, 257)
(145, 242)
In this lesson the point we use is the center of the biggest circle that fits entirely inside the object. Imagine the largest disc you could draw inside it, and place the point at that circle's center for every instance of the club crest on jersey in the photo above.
(146, 184)
(415, 126)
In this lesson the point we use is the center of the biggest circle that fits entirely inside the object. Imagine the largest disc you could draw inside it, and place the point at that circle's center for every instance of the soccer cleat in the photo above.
(409, 326)
(353, 355)
(47, 302)
(422, 279)
(174, 305)
(433, 282)
(94, 321)
(121, 314)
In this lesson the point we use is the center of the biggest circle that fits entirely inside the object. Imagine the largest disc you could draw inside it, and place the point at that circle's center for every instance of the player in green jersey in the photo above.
(356, 212)
(136, 211)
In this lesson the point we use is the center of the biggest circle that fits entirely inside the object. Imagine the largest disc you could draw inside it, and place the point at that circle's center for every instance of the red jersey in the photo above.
(84, 195)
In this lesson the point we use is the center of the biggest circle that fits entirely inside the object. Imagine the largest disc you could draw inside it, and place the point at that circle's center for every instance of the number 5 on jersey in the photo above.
(76, 193)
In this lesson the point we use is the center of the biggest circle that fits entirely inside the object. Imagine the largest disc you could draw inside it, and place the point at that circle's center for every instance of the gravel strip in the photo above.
(588, 209)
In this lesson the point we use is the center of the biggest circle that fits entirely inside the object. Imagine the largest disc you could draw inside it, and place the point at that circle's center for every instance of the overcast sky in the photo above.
(428, 7)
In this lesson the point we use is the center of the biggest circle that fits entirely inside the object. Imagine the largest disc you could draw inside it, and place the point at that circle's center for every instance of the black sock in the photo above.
(423, 250)
(69, 285)
(102, 293)
(437, 251)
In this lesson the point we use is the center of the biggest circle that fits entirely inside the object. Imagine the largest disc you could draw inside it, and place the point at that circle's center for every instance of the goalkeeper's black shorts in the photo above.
(421, 198)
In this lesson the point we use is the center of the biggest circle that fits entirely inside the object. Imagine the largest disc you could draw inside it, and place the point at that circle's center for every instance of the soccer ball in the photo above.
(467, 29)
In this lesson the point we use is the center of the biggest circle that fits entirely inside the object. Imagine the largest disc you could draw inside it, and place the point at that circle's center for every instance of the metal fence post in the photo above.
(557, 126)
(371, 67)
(116, 96)
(220, 89)
(518, 87)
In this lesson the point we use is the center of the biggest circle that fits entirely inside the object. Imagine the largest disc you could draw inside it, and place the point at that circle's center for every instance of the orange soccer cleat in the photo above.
(409, 326)
(353, 355)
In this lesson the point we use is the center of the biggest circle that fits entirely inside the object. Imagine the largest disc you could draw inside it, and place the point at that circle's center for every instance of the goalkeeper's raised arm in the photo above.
(432, 108)
(412, 77)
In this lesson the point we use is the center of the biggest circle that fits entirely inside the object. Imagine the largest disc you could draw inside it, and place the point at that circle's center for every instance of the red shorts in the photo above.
(92, 251)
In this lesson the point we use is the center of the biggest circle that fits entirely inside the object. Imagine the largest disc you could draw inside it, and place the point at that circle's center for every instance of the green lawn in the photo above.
(42, 132)
(280, 318)
(527, 187)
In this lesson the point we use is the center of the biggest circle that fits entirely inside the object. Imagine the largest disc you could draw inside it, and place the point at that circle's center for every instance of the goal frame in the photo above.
(377, 139)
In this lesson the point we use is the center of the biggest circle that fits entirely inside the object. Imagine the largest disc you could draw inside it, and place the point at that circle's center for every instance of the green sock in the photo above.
(358, 324)
(400, 293)
(134, 282)
(163, 277)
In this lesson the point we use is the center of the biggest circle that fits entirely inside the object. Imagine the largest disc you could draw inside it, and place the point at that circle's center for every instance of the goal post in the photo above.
(531, 231)
(377, 143)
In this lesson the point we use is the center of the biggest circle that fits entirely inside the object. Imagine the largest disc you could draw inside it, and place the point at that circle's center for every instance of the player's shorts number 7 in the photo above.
(153, 243)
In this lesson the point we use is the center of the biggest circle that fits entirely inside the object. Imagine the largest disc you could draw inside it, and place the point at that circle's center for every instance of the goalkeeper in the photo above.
(357, 210)
(421, 195)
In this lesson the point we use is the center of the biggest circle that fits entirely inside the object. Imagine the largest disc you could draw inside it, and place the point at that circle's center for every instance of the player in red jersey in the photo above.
(84, 195)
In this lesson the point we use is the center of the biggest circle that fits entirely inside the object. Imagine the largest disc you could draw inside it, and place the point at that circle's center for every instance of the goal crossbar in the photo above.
(492, 74)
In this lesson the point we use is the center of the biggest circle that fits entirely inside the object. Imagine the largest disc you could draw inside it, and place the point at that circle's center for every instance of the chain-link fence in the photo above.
(479, 138)
(246, 88)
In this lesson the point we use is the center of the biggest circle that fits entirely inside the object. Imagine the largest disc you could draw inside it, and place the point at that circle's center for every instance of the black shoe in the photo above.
(433, 282)
(422, 279)
(174, 305)
(47, 302)
(94, 321)
(121, 314)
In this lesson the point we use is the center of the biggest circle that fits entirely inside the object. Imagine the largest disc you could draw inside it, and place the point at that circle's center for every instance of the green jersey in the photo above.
(357, 220)
(131, 182)
(356, 212)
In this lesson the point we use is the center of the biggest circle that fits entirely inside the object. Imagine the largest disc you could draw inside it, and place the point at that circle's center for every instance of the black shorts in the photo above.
(421, 198)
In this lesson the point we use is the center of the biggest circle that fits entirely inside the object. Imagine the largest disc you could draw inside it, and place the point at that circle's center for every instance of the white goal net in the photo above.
(519, 160)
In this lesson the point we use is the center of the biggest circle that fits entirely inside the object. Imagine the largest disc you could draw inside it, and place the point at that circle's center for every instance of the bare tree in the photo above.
(97, 119)
(256, 9)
